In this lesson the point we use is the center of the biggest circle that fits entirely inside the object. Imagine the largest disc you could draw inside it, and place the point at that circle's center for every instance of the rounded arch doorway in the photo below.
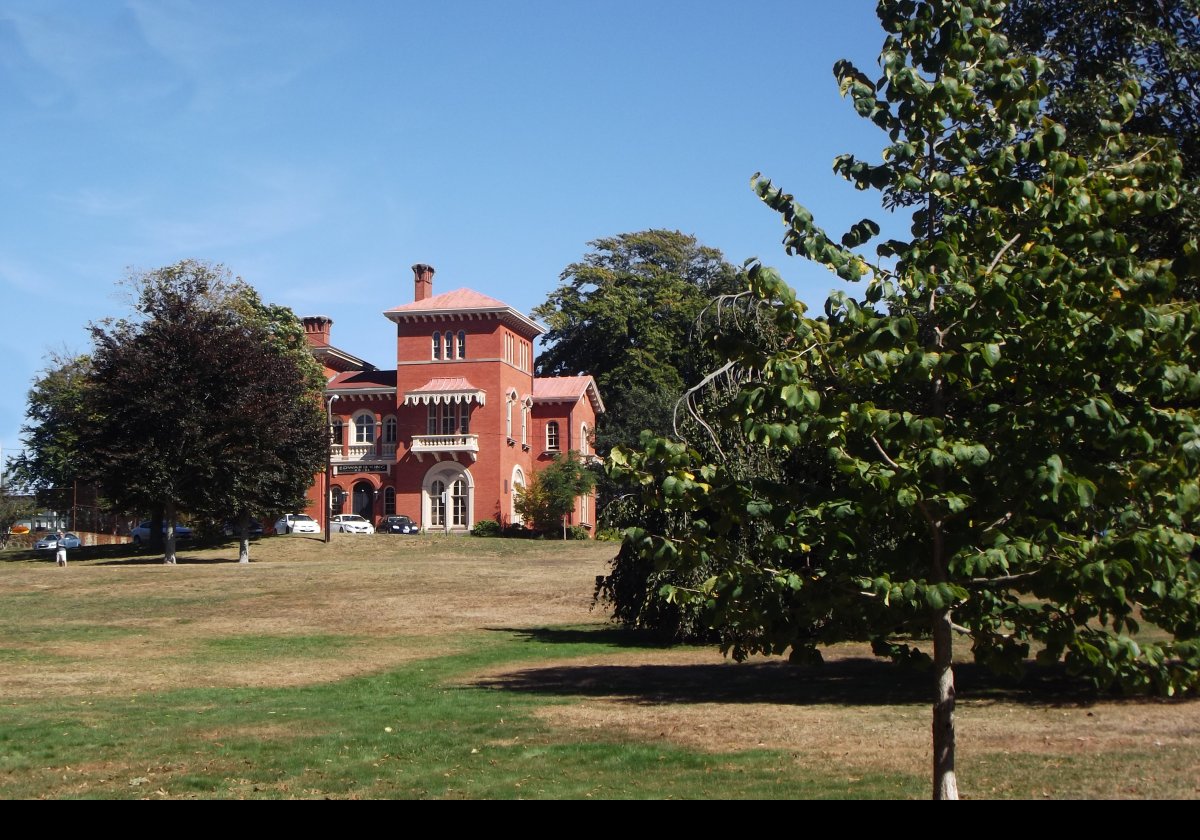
(448, 497)
(363, 500)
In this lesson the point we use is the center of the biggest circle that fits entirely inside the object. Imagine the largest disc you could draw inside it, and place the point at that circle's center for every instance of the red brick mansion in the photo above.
(461, 422)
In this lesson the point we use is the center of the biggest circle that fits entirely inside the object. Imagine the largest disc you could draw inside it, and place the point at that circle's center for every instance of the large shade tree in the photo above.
(999, 438)
(626, 315)
(204, 401)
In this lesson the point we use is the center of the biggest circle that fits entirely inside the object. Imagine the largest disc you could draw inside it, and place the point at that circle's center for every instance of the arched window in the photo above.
(437, 504)
(584, 441)
(518, 487)
(525, 422)
(512, 398)
(389, 501)
(338, 433)
(437, 346)
(462, 344)
(449, 344)
(552, 436)
(364, 427)
(458, 503)
(389, 430)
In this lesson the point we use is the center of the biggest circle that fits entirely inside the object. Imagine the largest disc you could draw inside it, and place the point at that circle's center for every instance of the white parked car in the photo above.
(350, 523)
(297, 523)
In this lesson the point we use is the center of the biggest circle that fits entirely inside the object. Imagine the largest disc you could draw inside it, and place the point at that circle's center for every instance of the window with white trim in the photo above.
(584, 442)
(458, 502)
(364, 427)
(512, 398)
(437, 346)
(462, 344)
(437, 504)
(552, 436)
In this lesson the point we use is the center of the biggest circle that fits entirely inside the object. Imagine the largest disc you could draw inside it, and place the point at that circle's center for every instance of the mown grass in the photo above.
(444, 668)
(412, 732)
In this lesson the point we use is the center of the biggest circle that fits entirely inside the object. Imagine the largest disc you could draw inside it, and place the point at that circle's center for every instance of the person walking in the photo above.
(60, 549)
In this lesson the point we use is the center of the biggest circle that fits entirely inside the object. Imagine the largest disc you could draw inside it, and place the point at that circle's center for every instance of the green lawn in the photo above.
(464, 668)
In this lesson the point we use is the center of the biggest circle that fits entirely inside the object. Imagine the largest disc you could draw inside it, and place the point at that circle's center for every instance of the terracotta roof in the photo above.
(567, 388)
(446, 383)
(464, 302)
(445, 389)
(457, 299)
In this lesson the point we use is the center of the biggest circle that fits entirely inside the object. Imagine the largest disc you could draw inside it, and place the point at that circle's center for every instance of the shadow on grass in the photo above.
(612, 635)
(846, 681)
(156, 559)
(126, 554)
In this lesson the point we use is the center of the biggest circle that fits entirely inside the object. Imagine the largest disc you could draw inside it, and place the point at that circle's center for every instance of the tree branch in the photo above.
(1000, 254)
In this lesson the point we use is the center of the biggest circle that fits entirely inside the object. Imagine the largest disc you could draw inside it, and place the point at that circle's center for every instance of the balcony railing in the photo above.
(439, 445)
(355, 452)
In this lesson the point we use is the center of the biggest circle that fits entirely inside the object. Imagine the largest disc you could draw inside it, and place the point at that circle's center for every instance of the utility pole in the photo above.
(327, 499)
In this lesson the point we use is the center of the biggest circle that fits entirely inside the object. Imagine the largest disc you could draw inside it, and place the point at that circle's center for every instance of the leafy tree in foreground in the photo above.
(202, 403)
(1093, 48)
(1000, 439)
(274, 428)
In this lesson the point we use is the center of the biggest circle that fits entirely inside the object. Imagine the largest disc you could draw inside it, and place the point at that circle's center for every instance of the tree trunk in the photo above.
(157, 521)
(945, 784)
(244, 535)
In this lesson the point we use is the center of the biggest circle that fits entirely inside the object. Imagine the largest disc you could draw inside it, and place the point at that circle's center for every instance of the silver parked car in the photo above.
(50, 542)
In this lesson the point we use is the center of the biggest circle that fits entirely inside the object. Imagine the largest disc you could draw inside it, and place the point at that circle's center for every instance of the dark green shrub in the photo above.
(486, 528)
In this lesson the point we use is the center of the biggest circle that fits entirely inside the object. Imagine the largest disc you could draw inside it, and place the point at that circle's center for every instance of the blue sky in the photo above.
(318, 149)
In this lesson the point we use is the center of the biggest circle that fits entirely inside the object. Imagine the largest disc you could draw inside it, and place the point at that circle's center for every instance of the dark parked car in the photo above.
(398, 525)
(230, 529)
(141, 533)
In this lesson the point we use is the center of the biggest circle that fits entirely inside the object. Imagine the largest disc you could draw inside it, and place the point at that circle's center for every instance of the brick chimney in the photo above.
(317, 329)
(422, 281)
